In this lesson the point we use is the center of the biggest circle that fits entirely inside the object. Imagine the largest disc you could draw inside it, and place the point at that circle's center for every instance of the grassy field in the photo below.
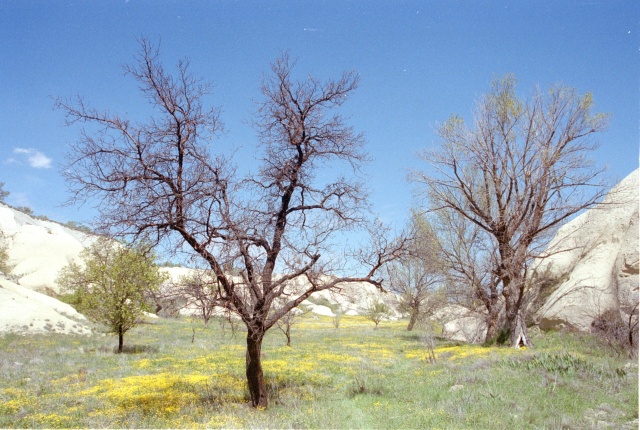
(178, 374)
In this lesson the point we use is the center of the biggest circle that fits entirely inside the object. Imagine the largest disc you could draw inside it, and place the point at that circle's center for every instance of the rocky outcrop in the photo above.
(38, 249)
(350, 299)
(25, 311)
(592, 264)
(461, 324)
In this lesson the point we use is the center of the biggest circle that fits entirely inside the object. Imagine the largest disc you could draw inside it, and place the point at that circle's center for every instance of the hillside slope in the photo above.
(39, 249)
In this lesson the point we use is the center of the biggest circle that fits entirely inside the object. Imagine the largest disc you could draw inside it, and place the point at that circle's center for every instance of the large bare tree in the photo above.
(277, 228)
(517, 174)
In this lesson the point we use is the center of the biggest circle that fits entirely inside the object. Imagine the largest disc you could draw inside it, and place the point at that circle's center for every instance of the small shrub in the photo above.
(377, 311)
(428, 340)
(565, 363)
(335, 320)
(616, 332)
(362, 383)
(4, 256)
(25, 210)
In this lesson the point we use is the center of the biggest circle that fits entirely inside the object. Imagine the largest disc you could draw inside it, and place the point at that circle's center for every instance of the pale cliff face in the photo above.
(39, 249)
(593, 264)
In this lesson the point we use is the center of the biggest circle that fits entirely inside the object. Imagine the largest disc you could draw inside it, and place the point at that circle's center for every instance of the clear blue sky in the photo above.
(419, 63)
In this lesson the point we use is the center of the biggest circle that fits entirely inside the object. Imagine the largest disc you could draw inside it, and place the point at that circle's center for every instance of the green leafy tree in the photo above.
(110, 285)
(377, 311)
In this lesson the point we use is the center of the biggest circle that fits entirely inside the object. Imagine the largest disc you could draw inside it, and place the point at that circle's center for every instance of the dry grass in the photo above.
(351, 377)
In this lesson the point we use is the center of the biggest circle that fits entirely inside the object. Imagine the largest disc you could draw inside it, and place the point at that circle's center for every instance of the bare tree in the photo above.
(517, 175)
(159, 180)
(417, 278)
(291, 318)
(469, 257)
(201, 291)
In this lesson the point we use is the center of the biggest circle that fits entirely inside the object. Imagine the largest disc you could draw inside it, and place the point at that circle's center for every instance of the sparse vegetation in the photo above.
(4, 255)
(3, 193)
(617, 332)
(351, 378)
(78, 226)
(25, 210)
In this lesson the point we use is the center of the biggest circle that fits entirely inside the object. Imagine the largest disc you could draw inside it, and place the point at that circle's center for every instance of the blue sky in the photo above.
(419, 62)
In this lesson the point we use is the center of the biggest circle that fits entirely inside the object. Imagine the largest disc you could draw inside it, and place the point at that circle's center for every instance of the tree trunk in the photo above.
(519, 334)
(516, 323)
(493, 326)
(255, 377)
(288, 334)
(120, 341)
(412, 320)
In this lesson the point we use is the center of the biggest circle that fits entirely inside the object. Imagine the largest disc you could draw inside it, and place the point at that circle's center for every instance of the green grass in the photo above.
(352, 377)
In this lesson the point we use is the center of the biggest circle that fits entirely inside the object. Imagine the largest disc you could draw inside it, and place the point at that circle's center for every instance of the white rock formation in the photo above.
(320, 309)
(39, 249)
(593, 266)
(461, 324)
(23, 311)
(351, 299)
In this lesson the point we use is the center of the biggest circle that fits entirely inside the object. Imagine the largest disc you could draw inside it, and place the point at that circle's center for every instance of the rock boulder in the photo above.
(592, 265)
(25, 311)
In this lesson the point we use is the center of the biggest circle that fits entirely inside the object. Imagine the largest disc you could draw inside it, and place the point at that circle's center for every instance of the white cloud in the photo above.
(35, 158)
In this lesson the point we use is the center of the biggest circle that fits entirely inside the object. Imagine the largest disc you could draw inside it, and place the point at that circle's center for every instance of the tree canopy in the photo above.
(111, 284)
(516, 175)
(165, 180)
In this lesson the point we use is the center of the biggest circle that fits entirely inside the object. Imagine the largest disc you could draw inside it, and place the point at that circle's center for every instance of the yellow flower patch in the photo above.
(12, 400)
(161, 394)
(50, 420)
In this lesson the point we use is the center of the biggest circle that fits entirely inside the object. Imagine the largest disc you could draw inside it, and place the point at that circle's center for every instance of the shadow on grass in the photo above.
(129, 349)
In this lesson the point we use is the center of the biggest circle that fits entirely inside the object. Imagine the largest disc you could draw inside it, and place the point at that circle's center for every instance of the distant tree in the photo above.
(291, 318)
(279, 224)
(25, 209)
(201, 291)
(337, 317)
(77, 226)
(377, 311)
(417, 278)
(518, 174)
(110, 284)
(3, 194)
